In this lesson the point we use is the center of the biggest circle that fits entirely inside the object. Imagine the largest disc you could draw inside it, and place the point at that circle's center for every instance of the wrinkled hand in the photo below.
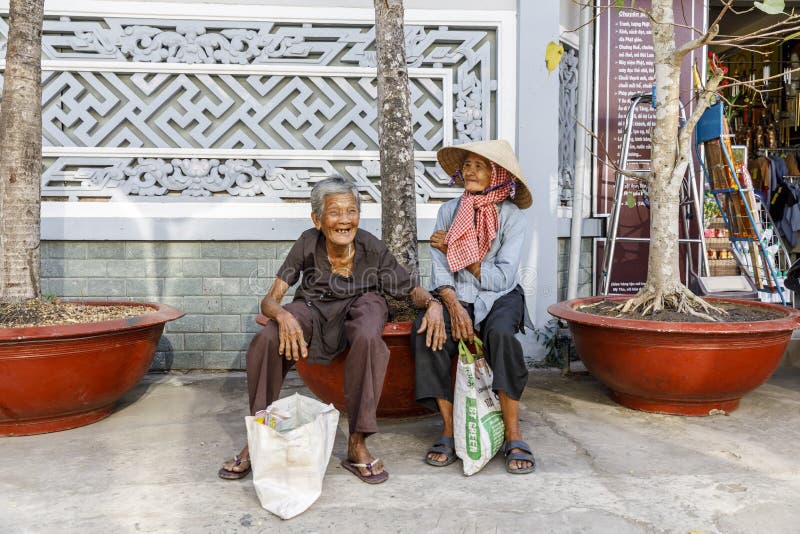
(292, 343)
(461, 324)
(433, 324)
(438, 240)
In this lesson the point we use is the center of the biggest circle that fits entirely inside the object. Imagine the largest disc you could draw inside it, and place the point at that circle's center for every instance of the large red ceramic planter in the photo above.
(397, 397)
(59, 377)
(678, 368)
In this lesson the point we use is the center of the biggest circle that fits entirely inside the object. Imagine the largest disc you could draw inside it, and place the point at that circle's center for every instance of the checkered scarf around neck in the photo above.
(476, 222)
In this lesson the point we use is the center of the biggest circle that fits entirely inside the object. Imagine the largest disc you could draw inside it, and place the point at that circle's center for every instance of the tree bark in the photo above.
(398, 194)
(663, 272)
(21, 153)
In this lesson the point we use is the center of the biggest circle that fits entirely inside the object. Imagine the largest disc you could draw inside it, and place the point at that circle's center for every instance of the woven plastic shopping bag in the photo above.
(477, 418)
(289, 459)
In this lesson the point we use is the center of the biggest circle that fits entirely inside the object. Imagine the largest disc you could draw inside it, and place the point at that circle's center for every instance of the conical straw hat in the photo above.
(499, 151)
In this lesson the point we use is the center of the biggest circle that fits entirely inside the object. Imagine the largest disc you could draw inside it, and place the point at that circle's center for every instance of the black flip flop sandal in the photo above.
(446, 446)
(526, 456)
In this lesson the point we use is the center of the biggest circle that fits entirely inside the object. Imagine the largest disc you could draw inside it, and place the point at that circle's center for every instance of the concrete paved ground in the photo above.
(151, 467)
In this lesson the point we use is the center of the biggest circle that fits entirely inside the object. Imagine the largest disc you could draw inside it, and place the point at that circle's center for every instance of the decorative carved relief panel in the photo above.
(151, 87)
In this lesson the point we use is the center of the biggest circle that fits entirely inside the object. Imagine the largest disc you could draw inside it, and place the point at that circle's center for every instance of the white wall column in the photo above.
(537, 148)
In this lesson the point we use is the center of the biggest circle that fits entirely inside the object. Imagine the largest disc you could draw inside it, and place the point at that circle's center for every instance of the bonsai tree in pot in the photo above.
(53, 377)
(663, 288)
(657, 365)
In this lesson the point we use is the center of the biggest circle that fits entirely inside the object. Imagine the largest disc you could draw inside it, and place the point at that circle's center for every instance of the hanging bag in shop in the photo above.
(290, 445)
(477, 419)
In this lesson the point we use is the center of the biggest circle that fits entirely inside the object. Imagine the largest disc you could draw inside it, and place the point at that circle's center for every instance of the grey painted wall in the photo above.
(585, 274)
(537, 140)
(218, 283)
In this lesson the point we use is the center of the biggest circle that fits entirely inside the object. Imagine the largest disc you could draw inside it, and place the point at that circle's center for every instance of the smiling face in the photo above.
(477, 173)
(339, 220)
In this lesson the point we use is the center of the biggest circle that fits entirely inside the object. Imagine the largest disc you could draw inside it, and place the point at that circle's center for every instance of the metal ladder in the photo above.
(690, 198)
(757, 249)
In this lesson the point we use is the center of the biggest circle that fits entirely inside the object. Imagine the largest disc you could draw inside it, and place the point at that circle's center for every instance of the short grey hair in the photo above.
(332, 186)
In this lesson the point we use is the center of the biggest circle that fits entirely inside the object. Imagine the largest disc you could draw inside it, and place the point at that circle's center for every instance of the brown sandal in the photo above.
(227, 474)
(372, 478)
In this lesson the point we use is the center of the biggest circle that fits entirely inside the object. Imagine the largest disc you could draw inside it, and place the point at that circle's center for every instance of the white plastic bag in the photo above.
(477, 418)
(288, 466)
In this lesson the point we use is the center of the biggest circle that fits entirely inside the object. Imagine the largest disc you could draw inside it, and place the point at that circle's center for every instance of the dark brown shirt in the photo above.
(375, 269)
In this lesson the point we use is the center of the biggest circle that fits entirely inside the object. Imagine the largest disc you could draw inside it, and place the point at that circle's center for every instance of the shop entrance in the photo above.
(761, 96)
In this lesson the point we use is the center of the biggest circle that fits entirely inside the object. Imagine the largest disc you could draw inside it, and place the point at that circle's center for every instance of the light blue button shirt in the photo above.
(498, 268)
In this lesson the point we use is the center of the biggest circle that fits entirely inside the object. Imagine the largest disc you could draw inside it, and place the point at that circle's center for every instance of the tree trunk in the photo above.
(663, 273)
(21, 153)
(398, 195)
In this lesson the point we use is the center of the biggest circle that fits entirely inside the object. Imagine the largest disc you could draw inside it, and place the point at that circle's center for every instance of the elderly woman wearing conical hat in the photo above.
(475, 253)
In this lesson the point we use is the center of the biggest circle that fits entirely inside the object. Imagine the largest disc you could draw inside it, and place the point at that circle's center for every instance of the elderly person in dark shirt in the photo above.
(345, 271)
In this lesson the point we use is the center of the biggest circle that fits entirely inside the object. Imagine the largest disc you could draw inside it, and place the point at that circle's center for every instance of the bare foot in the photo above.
(358, 453)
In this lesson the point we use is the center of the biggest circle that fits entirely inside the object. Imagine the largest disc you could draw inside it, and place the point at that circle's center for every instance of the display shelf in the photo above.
(724, 267)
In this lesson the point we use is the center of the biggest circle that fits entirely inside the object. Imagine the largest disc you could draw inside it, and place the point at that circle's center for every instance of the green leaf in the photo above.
(619, 4)
(630, 201)
(553, 55)
(771, 7)
(792, 36)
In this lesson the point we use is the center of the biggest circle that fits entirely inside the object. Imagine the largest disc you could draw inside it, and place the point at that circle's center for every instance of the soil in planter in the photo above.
(736, 313)
(44, 313)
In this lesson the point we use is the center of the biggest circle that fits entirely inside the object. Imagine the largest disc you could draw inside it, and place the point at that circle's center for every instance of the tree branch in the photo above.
(607, 162)
(749, 83)
(713, 30)
(782, 28)
(694, 44)
(703, 102)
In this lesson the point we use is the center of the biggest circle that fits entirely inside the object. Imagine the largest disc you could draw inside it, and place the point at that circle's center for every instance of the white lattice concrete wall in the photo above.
(177, 131)
(150, 107)
(181, 140)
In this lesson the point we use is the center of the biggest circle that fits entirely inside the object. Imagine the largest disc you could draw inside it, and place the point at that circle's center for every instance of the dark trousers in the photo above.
(502, 350)
(364, 368)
